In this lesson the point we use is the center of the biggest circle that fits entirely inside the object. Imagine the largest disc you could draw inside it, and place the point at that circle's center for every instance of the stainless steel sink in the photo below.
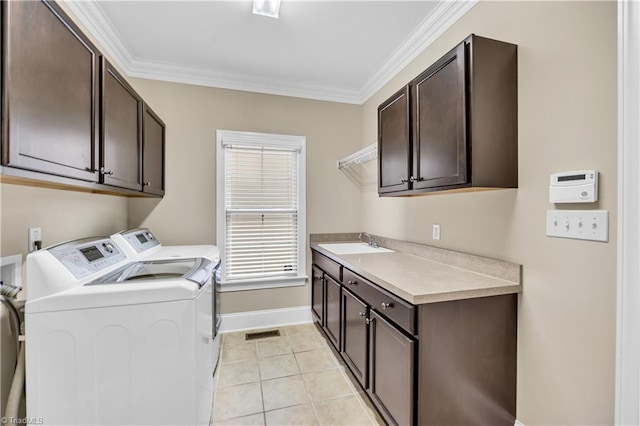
(353, 248)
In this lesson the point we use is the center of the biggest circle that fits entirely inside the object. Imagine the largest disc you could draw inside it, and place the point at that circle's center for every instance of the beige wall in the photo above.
(187, 214)
(62, 215)
(567, 121)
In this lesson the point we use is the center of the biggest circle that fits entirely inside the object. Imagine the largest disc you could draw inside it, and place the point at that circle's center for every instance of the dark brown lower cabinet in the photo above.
(444, 363)
(317, 294)
(355, 336)
(467, 360)
(392, 371)
(332, 320)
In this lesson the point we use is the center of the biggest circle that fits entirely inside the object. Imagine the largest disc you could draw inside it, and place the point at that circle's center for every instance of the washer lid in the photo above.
(114, 295)
(144, 282)
(197, 270)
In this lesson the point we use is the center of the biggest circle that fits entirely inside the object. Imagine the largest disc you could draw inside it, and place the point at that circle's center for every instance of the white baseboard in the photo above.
(264, 319)
(518, 423)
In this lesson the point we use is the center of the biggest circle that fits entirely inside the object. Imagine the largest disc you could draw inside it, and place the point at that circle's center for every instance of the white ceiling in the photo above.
(341, 51)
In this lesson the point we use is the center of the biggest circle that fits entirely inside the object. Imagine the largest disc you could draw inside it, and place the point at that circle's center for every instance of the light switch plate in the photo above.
(578, 224)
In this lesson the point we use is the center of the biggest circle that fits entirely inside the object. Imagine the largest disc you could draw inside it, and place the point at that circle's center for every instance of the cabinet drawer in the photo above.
(330, 267)
(396, 309)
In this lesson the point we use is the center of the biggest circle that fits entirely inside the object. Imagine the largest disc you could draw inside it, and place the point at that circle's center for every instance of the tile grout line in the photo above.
(313, 407)
(324, 347)
(354, 387)
(293, 353)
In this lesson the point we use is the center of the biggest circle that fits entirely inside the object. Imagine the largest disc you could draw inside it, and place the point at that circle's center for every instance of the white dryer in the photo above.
(142, 244)
(113, 339)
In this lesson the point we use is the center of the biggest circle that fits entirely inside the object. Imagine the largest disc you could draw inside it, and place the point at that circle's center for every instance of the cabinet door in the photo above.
(392, 370)
(332, 309)
(50, 92)
(394, 143)
(152, 152)
(317, 294)
(440, 139)
(355, 338)
(121, 131)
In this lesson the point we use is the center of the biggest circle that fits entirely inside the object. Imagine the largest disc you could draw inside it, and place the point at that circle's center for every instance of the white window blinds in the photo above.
(261, 204)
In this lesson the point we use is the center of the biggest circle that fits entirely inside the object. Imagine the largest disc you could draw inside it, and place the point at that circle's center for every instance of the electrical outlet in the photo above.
(578, 224)
(436, 231)
(35, 234)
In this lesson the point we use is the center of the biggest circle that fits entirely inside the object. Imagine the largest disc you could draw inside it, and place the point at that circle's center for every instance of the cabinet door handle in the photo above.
(352, 282)
(147, 184)
(386, 305)
(362, 314)
(403, 180)
(106, 172)
(369, 320)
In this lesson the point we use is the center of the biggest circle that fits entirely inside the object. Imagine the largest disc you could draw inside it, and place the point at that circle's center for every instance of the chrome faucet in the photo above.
(372, 241)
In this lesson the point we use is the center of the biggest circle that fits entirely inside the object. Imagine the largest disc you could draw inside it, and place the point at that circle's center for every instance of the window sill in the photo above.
(261, 284)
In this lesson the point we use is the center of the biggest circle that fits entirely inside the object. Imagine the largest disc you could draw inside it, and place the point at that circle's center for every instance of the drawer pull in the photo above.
(362, 314)
(352, 282)
(386, 305)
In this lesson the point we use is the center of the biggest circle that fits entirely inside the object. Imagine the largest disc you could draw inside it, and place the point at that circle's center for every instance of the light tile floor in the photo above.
(293, 379)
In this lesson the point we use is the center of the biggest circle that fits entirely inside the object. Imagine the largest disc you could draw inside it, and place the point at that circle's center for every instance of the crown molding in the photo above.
(199, 76)
(445, 14)
(441, 18)
(93, 18)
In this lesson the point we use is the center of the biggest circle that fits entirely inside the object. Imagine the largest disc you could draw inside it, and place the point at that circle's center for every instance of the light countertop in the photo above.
(419, 280)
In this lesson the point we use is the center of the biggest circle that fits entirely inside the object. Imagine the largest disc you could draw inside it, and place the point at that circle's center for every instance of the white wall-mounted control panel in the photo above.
(578, 186)
(578, 224)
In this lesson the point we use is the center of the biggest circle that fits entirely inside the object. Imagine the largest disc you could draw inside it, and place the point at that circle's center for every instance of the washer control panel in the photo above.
(140, 239)
(84, 257)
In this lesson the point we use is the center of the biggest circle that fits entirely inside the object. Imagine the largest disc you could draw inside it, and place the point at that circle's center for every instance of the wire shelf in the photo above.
(354, 165)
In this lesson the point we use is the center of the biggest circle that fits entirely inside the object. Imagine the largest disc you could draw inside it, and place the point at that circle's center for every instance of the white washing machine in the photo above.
(141, 243)
(115, 339)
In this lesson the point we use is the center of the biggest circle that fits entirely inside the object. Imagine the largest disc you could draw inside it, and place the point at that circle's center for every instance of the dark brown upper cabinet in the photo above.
(460, 129)
(394, 143)
(69, 120)
(50, 92)
(121, 160)
(439, 117)
(153, 149)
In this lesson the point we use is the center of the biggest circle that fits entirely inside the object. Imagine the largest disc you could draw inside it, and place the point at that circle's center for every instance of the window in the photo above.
(260, 208)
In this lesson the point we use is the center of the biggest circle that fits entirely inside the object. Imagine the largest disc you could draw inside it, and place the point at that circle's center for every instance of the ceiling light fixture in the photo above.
(270, 8)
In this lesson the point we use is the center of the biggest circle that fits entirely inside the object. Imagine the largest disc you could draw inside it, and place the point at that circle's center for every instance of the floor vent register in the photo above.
(262, 334)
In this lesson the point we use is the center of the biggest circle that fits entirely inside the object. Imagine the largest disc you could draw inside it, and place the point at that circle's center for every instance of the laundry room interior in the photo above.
(503, 313)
